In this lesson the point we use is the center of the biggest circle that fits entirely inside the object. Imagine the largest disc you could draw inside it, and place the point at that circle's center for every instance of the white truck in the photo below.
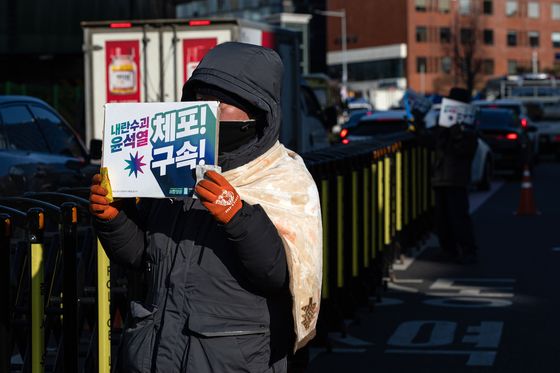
(149, 61)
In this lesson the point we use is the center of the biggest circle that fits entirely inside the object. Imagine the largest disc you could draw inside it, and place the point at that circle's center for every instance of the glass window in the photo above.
(446, 65)
(497, 119)
(556, 39)
(421, 64)
(60, 139)
(512, 38)
(466, 35)
(420, 5)
(445, 34)
(487, 7)
(488, 67)
(444, 6)
(511, 8)
(421, 34)
(534, 38)
(21, 131)
(464, 6)
(379, 127)
(488, 36)
(533, 10)
(555, 11)
(512, 67)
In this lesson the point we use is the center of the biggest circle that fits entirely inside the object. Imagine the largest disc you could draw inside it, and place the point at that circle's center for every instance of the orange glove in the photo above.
(218, 196)
(99, 206)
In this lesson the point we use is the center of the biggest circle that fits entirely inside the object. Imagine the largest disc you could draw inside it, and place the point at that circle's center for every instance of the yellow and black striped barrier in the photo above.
(375, 197)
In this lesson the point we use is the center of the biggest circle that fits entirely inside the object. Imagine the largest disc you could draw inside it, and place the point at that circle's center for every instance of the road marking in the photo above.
(441, 334)
(406, 289)
(477, 199)
(468, 302)
(476, 358)
(408, 281)
(348, 340)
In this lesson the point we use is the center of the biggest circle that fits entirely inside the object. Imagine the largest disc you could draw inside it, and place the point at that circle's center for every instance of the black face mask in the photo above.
(234, 134)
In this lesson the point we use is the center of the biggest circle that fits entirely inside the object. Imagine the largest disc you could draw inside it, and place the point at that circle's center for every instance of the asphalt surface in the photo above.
(499, 315)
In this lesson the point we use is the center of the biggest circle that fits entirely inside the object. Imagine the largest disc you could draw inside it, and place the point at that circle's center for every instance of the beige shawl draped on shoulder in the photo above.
(279, 181)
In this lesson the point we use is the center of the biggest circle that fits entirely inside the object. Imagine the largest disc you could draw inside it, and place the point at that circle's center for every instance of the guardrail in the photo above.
(66, 301)
(377, 204)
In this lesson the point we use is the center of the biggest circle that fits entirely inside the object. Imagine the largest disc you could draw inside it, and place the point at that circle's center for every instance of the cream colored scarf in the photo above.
(279, 181)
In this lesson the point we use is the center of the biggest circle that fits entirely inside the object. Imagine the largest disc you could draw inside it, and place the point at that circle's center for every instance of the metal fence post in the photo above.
(103, 310)
(325, 219)
(5, 329)
(69, 212)
(366, 214)
(355, 266)
(36, 221)
(340, 230)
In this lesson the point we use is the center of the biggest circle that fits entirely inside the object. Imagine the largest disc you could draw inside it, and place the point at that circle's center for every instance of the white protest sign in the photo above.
(453, 112)
(153, 149)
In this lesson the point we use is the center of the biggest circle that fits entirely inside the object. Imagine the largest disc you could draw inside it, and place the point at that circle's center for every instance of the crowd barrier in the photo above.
(66, 303)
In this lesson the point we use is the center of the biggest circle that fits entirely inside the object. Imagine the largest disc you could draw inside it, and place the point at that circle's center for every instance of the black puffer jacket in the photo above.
(454, 151)
(217, 297)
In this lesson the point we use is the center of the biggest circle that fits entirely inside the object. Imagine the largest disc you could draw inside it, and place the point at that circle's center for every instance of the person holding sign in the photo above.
(455, 146)
(233, 276)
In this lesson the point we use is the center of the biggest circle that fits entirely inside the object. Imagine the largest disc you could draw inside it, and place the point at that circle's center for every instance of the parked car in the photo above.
(375, 124)
(521, 110)
(39, 151)
(503, 130)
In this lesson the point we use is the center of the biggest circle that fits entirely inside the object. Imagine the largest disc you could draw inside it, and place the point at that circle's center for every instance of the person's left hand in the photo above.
(218, 196)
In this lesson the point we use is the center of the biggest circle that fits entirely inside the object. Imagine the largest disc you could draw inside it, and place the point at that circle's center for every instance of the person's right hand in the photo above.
(99, 206)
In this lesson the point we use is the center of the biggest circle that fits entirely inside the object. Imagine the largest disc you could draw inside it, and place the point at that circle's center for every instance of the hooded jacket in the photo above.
(218, 296)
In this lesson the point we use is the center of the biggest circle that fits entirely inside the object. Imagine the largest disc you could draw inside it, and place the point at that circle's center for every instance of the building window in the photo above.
(512, 67)
(488, 67)
(511, 8)
(512, 38)
(421, 34)
(420, 5)
(421, 64)
(487, 7)
(444, 6)
(555, 11)
(446, 65)
(533, 38)
(556, 39)
(533, 10)
(466, 35)
(445, 35)
(488, 36)
(464, 6)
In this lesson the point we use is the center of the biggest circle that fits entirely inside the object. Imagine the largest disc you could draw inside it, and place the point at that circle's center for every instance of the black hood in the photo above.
(254, 74)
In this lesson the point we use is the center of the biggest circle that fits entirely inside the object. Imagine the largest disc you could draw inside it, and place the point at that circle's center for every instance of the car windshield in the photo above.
(496, 119)
(379, 127)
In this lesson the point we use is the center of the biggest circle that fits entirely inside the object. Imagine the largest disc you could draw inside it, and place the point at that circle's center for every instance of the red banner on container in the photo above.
(122, 62)
(193, 51)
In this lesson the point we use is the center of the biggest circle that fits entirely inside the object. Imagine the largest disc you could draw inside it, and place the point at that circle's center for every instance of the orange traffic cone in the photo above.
(527, 204)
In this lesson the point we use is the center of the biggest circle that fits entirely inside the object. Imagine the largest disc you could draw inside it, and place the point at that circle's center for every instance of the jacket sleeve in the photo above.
(123, 238)
(259, 247)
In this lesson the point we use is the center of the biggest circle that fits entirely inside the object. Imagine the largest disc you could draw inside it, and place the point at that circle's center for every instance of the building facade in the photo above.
(429, 45)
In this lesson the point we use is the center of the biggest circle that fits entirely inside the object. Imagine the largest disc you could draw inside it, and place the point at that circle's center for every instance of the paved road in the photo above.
(500, 315)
